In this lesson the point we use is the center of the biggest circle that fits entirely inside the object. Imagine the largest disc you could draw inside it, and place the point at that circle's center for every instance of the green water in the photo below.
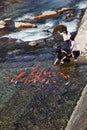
(40, 106)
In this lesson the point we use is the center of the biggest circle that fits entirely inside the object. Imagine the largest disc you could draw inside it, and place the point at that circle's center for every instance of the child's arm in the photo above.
(62, 60)
(55, 62)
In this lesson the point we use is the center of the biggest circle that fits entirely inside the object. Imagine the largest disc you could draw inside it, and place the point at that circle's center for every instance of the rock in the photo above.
(46, 15)
(70, 16)
(27, 20)
(24, 25)
(81, 37)
(8, 20)
(64, 10)
(33, 43)
(2, 24)
(52, 14)
(37, 43)
(10, 45)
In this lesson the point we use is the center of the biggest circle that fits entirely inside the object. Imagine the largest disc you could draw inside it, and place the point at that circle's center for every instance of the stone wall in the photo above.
(78, 119)
(81, 38)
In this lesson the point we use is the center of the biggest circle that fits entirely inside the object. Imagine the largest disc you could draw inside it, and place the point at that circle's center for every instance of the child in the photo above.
(74, 48)
(67, 43)
(61, 57)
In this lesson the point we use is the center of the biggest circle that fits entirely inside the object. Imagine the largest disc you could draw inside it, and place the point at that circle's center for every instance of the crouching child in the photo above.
(62, 57)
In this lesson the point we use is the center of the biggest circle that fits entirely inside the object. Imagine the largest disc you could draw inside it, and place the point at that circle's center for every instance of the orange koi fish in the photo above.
(64, 76)
(21, 75)
(33, 72)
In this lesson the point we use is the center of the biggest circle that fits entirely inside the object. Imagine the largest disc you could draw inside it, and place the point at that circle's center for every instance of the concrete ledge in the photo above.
(81, 37)
(78, 120)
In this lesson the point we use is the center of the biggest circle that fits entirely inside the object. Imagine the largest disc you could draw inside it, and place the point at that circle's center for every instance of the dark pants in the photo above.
(76, 54)
(66, 46)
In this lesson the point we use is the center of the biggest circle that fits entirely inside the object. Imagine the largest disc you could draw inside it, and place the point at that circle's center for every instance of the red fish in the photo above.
(64, 76)
(33, 72)
(21, 75)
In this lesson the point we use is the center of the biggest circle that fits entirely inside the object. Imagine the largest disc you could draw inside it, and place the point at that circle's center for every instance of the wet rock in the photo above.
(64, 10)
(8, 20)
(27, 20)
(70, 16)
(22, 25)
(46, 15)
(2, 24)
(10, 46)
(37, 43)
(52, 14)
(15, 52)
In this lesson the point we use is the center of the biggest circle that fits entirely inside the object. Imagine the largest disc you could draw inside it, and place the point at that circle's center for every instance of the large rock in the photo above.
(46, 15)
(51, 14)
(2, 24)
(22, 25)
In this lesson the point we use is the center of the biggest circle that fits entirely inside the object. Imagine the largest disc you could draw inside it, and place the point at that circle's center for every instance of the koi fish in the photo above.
(33, 72)
(64, 76)
(36, 69)
(21, 75)
(27, 81)
(11, 80)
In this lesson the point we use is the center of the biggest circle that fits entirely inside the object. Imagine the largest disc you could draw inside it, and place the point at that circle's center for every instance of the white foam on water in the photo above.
(28, 35)
(28, 15)
(33, 33)
(82, 5)
(71, 26)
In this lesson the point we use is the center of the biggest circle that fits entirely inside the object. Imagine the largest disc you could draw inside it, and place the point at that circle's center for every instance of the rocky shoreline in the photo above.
(78, 119)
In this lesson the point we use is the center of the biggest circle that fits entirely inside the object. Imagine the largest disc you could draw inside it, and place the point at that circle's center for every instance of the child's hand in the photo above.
(62, 62)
